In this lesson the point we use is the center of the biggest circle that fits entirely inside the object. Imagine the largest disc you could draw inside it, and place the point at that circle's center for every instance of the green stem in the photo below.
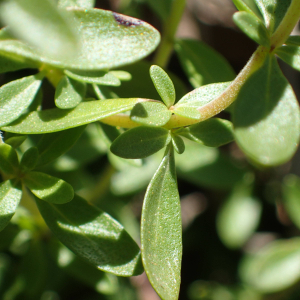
(287, 24)
(170, 27)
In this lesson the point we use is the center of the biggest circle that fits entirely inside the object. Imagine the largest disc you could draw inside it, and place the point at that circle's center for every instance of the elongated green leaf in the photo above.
(140, 142)
(161, 233)
(253, 27)
(266, 116)
(124, 41)
(163, 85)
(244, 6)
(76, 3)
(291, 55)
(212, 132)
(122, 75)
(49, 188)
(69, 93)
(53, 145)
(9, 162)
(274, 268)
(202, 64)
(238, 217)
(97, 77)
(291, 195)
(178, 143)
(41, 25)
(93, 235)
(9, 64)
(150, 113)
(202, 95)
(55, 119)
(16, 141)
(29, 159)
(16, 96)
(10, 196)
(187, 112)
(293, 40)
(273, 11)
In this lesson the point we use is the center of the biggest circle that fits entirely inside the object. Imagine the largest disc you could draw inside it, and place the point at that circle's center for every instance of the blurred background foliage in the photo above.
(241, 222)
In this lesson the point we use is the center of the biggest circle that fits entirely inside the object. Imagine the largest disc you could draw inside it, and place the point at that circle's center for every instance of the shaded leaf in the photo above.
(290, 55)
(122, 75)
(178, 143)
(29, 159)
(140, 142)
(161, 8)
(69, 93)
(55, 119)
(266, 116)
(41, 25)
(49, 188)
(10, 196)
(150, 113)
(16, 96)
(10, 64)
(238, 217)
(163, 85)
(161, 232)
(293, 40)
(76, 3)
(16, 141)
(202, 64)
(253, 27)
(212, 132)
(93, 235)
(274, 268)
(9, 163)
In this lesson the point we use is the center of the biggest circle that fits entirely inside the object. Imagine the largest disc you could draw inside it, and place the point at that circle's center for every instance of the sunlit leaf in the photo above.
(274, 268)
(9, 163)
(248, 6)
(49, 188)
(55, 119)
(140, 142)
(76, 3)
(151, 113)
(161, 233)
(93, 235)
(290, 54)
(266, 116)
(16, 96)
(178, 143)
(10, 196)
(187, 112)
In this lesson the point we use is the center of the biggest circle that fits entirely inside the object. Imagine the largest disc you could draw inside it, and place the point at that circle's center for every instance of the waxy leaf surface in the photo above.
(248, 6)
(69, 93)
(291, 55)
(49, 188)
(163, 85)
(9, 64)
(253, 27)
(29, 159)
(178, 143)
(93, 235)
(16, 96)
(55, 119)
(140, 142)
(9, 163)
(202, 64)
(76, 3)
(150, 113)
(266, 116)
(161, 232)
(10, 196)
(187, 112)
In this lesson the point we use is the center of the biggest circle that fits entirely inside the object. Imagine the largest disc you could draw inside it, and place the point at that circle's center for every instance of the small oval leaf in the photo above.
(290, 54)
(178, 143)
(9, 162)
(29, 159)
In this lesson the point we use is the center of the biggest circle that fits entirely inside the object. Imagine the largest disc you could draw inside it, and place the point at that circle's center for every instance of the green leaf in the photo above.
(76, 3)
(202, 64)
(163, 85)
(69, 93)
(178, 143)
(161, 8)
(212, 132)
(9, 163)
(140, 142)
(293, 40)
(241, 210)
(273, 12)
(124, 41)
(202, 95)
(49, 188)
(53, 145)
(266, 116)
(291, 193)
(16, 96)
(10, 196)
(55, 119)
(253, 27)
(16, 141)
(29, 159)
(97, 77)
(161, 232)
(10, 63)
(187, 112)
(41, 25)
(290, 55)
(122, 75)
(248, 6)
(273, 268)
(150, 113)
(93, 235)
